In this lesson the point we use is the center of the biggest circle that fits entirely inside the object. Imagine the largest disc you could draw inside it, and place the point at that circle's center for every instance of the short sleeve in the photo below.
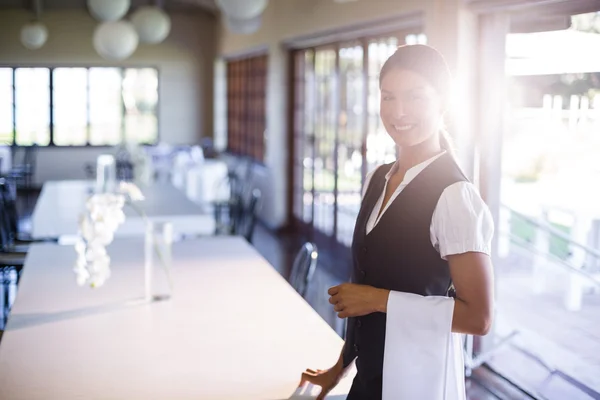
(461, 222)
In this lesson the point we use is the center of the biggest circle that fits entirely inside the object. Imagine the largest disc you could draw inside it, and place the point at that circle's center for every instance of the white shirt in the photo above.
(461, 221)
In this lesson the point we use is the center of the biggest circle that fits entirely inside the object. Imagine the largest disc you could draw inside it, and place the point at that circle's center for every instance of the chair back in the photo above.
(304, 267)
(9, 209)
(246, 220)
(5, 235)
(124, 170)
(30, 157)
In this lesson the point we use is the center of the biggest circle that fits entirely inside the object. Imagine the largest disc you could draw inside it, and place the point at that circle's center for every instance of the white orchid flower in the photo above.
(80, 247)
(82, 276)
(97, 226)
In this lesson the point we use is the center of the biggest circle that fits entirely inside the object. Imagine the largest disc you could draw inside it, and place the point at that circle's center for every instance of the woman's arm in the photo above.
(473, 278)
(473, 307)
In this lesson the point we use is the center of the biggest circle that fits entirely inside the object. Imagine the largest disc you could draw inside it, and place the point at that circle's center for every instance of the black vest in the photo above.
(397, 254)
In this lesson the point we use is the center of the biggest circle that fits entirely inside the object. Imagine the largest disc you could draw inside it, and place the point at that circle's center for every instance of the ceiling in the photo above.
(207, 5)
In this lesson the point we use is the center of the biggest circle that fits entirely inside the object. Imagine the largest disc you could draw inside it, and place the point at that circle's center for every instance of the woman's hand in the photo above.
(352, 300)
(327, 379)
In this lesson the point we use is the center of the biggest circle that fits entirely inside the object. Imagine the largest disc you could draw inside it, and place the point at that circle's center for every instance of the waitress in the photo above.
(422, 229)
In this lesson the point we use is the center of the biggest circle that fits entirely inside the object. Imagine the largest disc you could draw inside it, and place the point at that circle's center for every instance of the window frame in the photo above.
(51, 69)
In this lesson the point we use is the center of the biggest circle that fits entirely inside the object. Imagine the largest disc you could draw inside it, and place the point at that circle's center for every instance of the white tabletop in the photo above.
(234, 329)
(57, 210)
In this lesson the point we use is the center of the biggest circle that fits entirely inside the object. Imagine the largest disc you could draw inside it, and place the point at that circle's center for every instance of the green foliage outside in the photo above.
(526, 231)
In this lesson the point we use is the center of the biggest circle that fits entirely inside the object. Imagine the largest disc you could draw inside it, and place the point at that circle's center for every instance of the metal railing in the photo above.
(549, 229)
(545, 228)
(553, 231)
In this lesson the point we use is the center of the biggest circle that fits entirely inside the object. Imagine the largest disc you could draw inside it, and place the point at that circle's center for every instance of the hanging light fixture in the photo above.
(115, 40)
(108, 10)
(242, 9)
(243, 26)
(151, 23)
(34, 34)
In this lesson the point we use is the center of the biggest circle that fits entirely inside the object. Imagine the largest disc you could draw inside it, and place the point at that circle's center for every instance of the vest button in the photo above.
(364, 249)
(356, 348)
(363, 273)
(358, 323)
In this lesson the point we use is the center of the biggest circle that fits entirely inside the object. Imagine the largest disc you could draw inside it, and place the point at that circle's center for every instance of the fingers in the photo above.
(306, 377)
(335, 299)
(333, 290)
(302, 380)
(339, 307)
(324, 393)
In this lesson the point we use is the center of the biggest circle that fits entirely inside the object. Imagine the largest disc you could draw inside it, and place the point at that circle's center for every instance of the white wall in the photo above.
(185, 63)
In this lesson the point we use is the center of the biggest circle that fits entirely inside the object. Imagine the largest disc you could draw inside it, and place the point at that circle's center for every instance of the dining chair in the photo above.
(124, 170)
(303, 268)
(227, 210)
(24, 171)
(247, 215)
(9, 280)
(12, 258)
(89, 170)
(11, 216)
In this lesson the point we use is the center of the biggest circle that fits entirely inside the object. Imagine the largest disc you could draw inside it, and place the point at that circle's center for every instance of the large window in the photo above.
(6, 105)
(548, 258)
(246, 108)
(32, 105)
(78, 106)
(338, 136)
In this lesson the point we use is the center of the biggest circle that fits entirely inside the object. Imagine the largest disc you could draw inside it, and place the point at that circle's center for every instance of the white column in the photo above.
(220, 106)
(474, 47)
(277, 156)
(452, 28)
(491, 112)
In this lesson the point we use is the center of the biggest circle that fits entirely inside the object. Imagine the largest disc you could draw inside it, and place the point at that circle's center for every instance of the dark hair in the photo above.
(423, 60)
(431, 65)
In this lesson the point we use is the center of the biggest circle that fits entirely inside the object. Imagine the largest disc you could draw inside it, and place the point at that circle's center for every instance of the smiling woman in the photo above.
(422, 271)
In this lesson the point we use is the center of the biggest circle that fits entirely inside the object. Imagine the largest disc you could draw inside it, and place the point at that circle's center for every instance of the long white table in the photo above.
(56, 213)
(234, 329)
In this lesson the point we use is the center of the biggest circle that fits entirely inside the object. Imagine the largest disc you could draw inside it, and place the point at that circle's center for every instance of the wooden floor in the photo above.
(279, 249)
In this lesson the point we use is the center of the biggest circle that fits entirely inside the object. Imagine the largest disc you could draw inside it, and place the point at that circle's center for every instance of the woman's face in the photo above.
(411, 109)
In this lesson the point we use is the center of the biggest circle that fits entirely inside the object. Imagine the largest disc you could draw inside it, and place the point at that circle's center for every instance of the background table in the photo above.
(234, 329)
(57, 211)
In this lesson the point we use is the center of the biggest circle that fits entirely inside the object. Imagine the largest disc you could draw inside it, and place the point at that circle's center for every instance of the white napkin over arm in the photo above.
(423, 359)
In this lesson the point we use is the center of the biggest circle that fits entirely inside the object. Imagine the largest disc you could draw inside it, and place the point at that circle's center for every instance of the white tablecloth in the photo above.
(206, 182)
(56, 213)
